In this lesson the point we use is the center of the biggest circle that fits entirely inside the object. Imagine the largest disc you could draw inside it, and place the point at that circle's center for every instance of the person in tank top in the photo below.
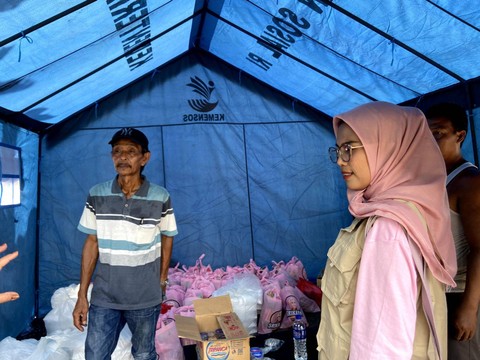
(449, 124)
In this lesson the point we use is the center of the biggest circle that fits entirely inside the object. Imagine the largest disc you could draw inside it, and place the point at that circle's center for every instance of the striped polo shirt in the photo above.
(127, 274)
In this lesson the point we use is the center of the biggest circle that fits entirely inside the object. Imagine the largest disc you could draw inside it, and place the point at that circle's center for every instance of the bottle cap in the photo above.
(256, 353)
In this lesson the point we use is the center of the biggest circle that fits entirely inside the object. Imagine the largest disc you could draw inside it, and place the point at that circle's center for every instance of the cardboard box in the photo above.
(232, 342)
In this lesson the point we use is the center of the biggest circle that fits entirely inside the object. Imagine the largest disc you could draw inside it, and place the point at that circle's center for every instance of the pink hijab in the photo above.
(405, 163)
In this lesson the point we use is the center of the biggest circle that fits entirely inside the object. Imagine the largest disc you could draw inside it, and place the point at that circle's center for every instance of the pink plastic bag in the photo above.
(292, 307)
(167, 343)
(271, 312)
(204, 285)
(307, 304)
(295, 268)
(174, 296)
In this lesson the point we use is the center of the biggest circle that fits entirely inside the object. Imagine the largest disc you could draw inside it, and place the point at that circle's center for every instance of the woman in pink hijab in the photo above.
(383, 285)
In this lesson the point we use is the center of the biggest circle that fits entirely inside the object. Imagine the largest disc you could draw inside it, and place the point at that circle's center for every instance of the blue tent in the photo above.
(236, 97)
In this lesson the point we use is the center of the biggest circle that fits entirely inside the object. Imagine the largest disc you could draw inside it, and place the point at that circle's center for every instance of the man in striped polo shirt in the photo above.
(130, 226)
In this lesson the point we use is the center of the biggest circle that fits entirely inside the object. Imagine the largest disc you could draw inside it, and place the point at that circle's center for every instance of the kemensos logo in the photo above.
(205, 104)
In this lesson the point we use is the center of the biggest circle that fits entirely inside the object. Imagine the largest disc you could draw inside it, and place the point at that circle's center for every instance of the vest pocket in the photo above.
(339, 280)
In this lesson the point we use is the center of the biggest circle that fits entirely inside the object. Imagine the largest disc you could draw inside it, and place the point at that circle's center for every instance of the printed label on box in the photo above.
(232, 326)
(217, 350)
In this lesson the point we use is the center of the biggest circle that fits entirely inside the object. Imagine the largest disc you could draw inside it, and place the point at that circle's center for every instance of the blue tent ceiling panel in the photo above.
(375, 66)
(332, 55)
(18, 15)
(466, 11)
(99, 39)
(300, 81)
(115, 75)
(426, 28)
(320, 40)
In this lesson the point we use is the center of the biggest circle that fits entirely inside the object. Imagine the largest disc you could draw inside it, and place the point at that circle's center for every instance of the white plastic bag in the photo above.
(63, 340)
(246, 294)
(12, 349)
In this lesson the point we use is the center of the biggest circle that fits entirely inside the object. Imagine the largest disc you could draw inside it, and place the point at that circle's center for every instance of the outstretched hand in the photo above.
(4, 260)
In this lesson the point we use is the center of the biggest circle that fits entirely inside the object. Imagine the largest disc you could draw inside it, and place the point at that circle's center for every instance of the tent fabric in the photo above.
(56, 55)
(17, 225)
(236, 97)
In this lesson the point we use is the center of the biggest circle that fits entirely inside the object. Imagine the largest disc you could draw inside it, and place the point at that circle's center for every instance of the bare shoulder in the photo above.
(466, 190)
(468, 181)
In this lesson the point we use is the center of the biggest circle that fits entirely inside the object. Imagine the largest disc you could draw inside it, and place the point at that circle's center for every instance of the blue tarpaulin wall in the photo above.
(236, 97)
(18, 231)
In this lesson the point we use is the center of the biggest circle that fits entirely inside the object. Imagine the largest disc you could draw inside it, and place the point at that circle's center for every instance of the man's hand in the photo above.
(8, 296)
(465, 323)
(80, 313)
(4, 260)
(7, 258)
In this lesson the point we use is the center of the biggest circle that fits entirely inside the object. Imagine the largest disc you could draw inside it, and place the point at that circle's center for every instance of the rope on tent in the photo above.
(30, 41)
(392, 41)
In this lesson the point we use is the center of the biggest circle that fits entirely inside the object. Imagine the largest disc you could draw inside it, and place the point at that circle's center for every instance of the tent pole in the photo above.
(37, 327)
(471, 121)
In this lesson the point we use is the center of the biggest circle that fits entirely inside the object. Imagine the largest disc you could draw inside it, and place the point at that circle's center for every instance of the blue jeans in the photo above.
(105, 325)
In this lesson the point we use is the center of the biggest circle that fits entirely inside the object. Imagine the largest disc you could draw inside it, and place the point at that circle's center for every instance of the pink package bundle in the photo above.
(295, 268)
(292, 307)
(307, 304)
(175, 275)
(204, 285)
(175, 295)
(271, 312)
(217, 278)
(167, 344)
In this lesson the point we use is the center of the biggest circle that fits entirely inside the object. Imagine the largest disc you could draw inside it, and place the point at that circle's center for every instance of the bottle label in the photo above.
(299, 334)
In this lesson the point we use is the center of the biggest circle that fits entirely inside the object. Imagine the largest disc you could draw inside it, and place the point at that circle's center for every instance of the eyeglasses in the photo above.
(128, 153)
(343, 152)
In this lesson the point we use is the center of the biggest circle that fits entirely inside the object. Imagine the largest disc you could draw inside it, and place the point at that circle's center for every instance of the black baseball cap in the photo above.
(131, 134)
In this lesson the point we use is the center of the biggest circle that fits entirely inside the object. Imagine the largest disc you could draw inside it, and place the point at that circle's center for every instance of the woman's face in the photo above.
(355, 172)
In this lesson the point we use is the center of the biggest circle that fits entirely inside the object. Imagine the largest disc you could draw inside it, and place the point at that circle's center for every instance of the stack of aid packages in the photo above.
(264, 299)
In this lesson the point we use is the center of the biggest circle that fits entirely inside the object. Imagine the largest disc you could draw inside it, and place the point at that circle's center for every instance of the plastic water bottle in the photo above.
(299, 338)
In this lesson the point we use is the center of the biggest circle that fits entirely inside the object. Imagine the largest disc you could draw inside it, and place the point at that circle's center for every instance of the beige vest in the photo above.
(339, 285)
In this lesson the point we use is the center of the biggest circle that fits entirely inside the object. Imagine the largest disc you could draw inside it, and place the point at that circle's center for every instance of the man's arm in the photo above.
(469, 209)
(89, 261)
(167, 245)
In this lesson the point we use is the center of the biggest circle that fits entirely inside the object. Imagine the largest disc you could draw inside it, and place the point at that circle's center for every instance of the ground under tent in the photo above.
(246, 161)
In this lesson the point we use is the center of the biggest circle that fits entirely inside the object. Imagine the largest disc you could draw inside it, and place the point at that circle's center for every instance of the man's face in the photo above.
(128, 157)
(448, 140)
